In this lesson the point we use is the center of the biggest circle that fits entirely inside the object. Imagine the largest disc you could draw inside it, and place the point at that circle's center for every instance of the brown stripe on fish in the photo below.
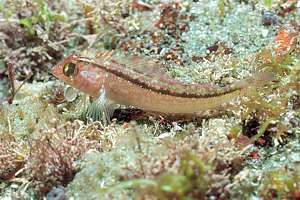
(159, 86)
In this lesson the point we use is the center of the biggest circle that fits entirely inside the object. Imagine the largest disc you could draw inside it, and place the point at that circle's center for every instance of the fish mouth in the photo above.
(56, 71)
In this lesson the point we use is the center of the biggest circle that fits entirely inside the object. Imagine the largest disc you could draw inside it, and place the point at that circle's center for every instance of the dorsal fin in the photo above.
(138, 64)
(143, 65)
(150, 74)
(105, 55)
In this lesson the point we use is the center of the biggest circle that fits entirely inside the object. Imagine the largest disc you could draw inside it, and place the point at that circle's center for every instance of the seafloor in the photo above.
(54, 145)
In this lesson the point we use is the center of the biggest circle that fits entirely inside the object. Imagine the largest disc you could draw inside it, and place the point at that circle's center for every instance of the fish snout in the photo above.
(56, 71)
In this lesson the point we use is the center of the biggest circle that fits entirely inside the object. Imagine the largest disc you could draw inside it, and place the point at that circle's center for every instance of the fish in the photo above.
(140, 82)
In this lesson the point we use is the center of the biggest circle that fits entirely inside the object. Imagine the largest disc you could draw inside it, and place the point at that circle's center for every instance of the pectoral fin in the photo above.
(100, 109)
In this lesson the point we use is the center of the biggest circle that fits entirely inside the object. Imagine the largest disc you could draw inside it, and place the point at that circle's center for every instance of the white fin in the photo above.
(101, 109)
(70, 93)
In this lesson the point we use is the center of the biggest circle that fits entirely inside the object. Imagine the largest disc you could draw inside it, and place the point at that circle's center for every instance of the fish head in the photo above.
(80, 73)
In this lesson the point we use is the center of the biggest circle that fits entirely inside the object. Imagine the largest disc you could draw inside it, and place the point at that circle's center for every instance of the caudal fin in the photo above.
(259, 79)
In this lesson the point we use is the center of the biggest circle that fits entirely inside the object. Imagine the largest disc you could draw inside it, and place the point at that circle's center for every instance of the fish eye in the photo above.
(70, 69)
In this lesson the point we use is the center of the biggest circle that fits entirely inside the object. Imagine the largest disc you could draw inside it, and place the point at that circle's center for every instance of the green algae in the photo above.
(114, 174)
(102, 170)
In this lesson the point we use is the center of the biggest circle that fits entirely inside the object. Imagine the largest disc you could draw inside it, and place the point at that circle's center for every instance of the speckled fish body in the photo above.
(147, 91)
(125, 92)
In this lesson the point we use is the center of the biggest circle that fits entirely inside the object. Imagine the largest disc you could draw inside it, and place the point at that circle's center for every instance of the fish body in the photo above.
(137, 82)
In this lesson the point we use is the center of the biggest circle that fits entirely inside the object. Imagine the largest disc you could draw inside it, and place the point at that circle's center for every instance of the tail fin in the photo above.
(259, 79)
